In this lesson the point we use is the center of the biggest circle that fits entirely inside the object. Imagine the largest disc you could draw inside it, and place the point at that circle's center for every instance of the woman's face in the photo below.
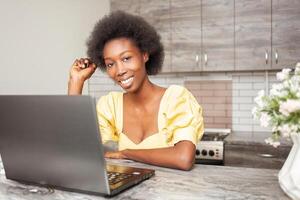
(125, 63)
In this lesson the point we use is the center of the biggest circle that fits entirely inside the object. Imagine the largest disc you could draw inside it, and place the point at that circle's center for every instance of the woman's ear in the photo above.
(145, 57)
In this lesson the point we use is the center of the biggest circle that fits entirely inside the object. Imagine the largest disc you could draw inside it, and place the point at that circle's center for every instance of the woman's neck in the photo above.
(144, 93)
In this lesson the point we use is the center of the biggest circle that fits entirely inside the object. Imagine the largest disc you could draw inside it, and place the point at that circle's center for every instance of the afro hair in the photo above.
(119, 24)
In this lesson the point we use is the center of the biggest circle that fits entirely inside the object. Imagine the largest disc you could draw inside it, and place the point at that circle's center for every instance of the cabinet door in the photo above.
(285, 33)
(186, 35)
(129, 6)
(218, 35)
(253, 35)
(157, 13)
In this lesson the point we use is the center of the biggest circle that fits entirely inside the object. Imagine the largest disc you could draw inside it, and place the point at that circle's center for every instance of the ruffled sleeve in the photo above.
(106, 112)
(182, 117)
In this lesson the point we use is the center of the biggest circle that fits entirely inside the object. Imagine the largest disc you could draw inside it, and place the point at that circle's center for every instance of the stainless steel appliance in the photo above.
(210, 150)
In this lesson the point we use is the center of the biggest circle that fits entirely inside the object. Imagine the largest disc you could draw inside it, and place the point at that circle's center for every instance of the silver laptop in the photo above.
(55, 141)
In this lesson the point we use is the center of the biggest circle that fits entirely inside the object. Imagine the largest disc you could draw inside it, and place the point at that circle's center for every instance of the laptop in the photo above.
(54, 141)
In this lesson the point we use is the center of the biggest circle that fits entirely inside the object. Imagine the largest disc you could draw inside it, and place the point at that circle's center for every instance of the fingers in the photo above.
(83, 63)
(113, 155)
(108, 155)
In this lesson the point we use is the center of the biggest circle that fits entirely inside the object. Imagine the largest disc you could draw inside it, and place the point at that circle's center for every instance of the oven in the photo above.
(210, 149)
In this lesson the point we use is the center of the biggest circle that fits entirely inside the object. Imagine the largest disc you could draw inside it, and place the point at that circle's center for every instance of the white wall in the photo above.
(39, 40)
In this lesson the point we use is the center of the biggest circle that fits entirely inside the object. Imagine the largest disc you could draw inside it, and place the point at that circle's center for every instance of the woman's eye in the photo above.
(108, 65)
(126, 59)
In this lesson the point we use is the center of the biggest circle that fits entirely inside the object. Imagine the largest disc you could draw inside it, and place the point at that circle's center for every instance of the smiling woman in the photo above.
(152, 124)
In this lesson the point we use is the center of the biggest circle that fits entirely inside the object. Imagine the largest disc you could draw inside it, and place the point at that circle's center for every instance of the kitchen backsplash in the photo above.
(215, 97)
(227, 98)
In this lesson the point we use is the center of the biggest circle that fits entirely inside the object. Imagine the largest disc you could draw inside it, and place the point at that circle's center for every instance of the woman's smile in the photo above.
(126, 83)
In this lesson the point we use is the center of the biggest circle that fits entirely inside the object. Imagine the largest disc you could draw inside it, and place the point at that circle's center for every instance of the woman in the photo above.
(152, 124)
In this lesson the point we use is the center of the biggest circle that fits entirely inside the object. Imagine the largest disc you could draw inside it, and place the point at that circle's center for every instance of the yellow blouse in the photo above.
(179, 118)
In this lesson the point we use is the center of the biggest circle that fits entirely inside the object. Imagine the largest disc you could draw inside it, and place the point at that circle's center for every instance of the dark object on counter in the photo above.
(54, 141)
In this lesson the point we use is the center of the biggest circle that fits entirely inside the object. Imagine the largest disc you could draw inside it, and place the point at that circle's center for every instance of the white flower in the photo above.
(265, 120)
(295, 84)
(272, 142)
(290, 106)
(277, 90)
(294, 128)
(286, 84)
(285, 130)
(259, 99)
(279, 110)
(283, 75)
(254, 112)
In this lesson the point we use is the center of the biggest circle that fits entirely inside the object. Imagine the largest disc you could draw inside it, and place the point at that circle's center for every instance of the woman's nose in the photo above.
(121, 70)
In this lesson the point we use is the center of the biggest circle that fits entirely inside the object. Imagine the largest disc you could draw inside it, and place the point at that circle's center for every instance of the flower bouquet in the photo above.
(280, 110)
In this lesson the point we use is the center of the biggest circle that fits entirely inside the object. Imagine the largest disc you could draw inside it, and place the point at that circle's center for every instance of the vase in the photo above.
(289, 175)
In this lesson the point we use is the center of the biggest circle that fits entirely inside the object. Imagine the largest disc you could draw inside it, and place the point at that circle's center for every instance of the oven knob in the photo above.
(211, 153)
(204, 152)
(197, 152)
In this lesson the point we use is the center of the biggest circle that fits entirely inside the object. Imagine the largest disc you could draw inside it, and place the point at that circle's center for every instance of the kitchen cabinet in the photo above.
(217, 35)
(186, 35)
(267, 34)
(253, 35)
(223, 35)
(180, 26)
(129, 6)
(157, 13)
(285, 33)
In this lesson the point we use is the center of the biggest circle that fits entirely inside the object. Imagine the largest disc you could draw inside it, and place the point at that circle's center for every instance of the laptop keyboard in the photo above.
(115, 177)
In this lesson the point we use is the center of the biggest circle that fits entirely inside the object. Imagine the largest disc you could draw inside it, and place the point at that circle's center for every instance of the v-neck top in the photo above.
(179, 118)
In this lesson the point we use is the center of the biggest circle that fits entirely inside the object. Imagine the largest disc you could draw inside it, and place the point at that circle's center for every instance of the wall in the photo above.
(41, 39)
(245, 86)
(215, 97)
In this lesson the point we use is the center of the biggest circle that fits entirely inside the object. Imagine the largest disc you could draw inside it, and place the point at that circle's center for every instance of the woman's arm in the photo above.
(181, 156)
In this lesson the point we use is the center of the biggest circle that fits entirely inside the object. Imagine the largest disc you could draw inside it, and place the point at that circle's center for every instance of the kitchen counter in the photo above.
(202, 182)
(248, 149)
(253, 138)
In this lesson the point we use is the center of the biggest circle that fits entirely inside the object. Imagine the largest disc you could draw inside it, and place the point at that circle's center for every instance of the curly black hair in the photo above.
(120, 24)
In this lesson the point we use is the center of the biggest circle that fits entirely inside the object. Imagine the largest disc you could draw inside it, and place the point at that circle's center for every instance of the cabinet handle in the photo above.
(266, 56)
(197, 58)
(276, 56)
(205, 58)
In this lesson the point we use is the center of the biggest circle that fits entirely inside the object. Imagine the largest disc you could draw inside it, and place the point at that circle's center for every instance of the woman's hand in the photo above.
(115, 155)
(81, 70)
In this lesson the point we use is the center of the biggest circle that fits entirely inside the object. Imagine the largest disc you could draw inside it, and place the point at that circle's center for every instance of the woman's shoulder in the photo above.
(110, 98)
(178, 96)
(174, 91)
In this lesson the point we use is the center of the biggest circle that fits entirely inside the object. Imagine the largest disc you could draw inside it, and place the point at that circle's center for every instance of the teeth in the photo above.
(127, 80)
